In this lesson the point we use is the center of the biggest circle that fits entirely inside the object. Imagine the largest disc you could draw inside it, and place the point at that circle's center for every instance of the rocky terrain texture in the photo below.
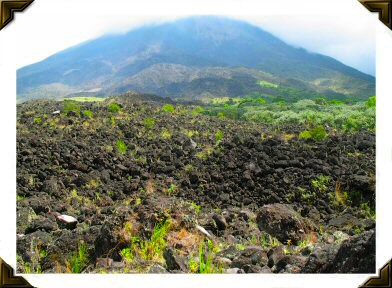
(150, 189)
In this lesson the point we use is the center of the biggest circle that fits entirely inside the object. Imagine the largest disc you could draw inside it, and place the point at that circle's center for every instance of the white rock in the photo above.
(203, 231)
(56, 112)
(67, 219)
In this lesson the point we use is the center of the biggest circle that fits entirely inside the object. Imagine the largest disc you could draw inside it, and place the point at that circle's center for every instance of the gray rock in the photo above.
(173, 261)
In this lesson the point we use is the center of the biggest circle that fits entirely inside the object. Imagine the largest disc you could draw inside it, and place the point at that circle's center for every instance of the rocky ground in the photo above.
(150, 190)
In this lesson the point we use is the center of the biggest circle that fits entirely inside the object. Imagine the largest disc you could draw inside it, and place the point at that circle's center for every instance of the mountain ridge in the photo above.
(115, 63)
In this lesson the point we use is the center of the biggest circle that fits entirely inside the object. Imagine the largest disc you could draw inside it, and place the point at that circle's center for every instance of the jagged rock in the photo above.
(282, 222)
(220, 221)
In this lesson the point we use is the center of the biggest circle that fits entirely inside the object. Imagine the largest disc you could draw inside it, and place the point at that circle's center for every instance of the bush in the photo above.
(114, 107)
(218, 136)
(371, 102)
(37, 120)
(317, 134)
(168, 108)
(121, 147)
(149, 123)
(88, 113)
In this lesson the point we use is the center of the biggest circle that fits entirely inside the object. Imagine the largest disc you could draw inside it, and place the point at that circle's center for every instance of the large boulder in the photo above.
(282, 222)
(356, 255)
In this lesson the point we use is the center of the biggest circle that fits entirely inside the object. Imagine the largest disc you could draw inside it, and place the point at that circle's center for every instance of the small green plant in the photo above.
(218, 136)
(206, 266)
(367, 211)
(196, 207)
(165, 134)
(193, 265)
(114, 107)
(78, 260)
(88, 113)
(172, 188)
(121, 147)
(127, 255)
(149, 123)
(153, 248)
(320, 183)
(168, 108)
(37, 120)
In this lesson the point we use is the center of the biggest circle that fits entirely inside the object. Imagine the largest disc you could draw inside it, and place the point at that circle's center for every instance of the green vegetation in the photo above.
(78, 260)
(346, 115)
(206, 265)
(371, 103)
(88, 113)
(71, 106)
(121, 147)
(168, 108)
(218, 136)
(318, 133)
(37, 120)
(149, 123)
(114, 107)
(149, 249)
(267, 84)
(320, 183)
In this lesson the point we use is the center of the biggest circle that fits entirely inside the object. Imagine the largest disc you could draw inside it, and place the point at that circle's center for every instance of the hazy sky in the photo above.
(51, 26)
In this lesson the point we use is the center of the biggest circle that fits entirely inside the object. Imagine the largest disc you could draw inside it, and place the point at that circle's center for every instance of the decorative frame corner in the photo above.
(8, 280)
(382, 7)
(8, 8)
(383, 280)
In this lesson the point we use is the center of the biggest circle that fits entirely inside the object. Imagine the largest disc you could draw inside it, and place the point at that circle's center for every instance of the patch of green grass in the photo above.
(168, 108)
(114, 107)
(121, 147)
(206, 265)
(149, 249)
(367, 211)
(78, 260)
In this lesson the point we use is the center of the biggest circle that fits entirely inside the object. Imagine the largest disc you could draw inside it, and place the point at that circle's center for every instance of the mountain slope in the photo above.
(189, 58)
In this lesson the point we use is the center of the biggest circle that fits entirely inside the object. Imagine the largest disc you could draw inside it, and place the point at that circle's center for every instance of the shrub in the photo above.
(149, 123)
(121, 147)
(114, 107)
(37, 120)
(88, 113)
(219, 136)
(371, 102)
(317, 134)
(168, 108)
